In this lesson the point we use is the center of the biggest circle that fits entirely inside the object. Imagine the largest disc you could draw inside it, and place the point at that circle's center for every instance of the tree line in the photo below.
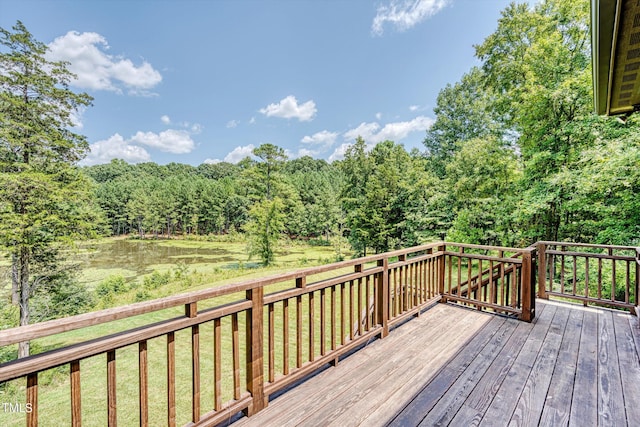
(515, 155)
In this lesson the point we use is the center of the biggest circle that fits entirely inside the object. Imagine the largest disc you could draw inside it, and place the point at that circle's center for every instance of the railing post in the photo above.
(542, 270)
(255, 351)
(441, 269)
(527, 290)
(383, 297)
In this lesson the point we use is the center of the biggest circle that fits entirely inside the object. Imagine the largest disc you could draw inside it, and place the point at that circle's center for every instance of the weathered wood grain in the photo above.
(557, 405)
(529, 407)
(610, 400)
(462, 365)
(584, 407)
(629, 367)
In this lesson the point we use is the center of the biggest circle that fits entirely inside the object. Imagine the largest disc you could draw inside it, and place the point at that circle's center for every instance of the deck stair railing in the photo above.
(199, 357)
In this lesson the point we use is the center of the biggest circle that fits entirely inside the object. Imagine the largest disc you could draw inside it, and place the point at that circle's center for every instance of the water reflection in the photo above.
(143, 256)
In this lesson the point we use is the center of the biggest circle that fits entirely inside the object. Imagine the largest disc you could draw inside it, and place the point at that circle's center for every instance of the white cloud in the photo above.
(165, 119)
(405, 14)
(324, 138)
(212, 161)
(76, 117)
(195, 128)
(372, 134)
(306, 152)
(239, 153)
(170, 141)
(232, 124)
(288, 108)
(400, 130)
(252, 120)
(366, 130)
(339, 152)
(378, 116)
(97, 70)
(115, 147)
(413, 107)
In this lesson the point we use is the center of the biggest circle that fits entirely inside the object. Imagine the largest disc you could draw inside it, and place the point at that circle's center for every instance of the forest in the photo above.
(516, 155)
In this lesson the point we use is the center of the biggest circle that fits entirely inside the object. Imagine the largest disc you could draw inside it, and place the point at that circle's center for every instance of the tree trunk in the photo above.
(23, 261)
(15, 281)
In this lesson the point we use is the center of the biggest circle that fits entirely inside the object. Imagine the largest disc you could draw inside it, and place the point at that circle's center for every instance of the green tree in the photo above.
(462, 113)
(43, 196)
(266, 217)
(537, 63)
(265, 228)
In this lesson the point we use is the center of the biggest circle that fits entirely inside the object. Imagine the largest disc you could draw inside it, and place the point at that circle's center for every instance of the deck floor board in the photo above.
(454, 366)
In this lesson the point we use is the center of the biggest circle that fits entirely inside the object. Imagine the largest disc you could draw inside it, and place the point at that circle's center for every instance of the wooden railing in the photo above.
(493, 278)
(602, 275)
(229, 348)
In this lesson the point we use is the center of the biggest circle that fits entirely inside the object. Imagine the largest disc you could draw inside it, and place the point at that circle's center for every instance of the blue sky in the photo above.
(206, 81)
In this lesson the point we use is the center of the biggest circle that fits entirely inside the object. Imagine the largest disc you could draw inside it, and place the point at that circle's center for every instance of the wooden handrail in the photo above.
(52, 327)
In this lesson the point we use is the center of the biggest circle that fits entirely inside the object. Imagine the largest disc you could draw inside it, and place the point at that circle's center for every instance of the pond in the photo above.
(134, 258)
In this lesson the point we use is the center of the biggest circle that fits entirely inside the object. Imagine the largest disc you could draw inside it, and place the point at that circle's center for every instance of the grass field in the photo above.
(54, 386)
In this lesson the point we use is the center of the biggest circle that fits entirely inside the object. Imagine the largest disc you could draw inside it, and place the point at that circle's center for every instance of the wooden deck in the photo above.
(454, 366)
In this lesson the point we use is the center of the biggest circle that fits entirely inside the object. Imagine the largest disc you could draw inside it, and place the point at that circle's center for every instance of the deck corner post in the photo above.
(383, 297)
(255, 351)
(441, 268)
(541, 247)
(527, 288)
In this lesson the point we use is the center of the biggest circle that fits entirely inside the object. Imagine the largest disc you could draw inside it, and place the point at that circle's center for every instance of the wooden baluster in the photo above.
(552, 272)
(351, 308)
(382, 292)
(195, 373)
(459, 287)
(112, 419)
(574, 276)
(323, 322)
(299, 331)
(171, 379)
(333, 318)
(469, 279)
(235, 345)
(76, 411)
(562, 248)
(272, 339)
(343, 309)
(360, 319)
(627, 283)
(613, 275)
(32, 399)
(395, 298)
(285, 337)
(586, 279)
(599, 278)
(492, 290)
(515, 282)
(402, 286)
(368, 304)
(502, 285)
(312, 318)
(479, 284)
(191, 311)
(254, 349)
(143, 384)
(217, 364)
(637, 286)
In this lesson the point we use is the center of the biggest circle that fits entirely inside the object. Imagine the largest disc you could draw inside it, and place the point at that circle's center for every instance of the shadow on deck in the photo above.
(455, 366)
